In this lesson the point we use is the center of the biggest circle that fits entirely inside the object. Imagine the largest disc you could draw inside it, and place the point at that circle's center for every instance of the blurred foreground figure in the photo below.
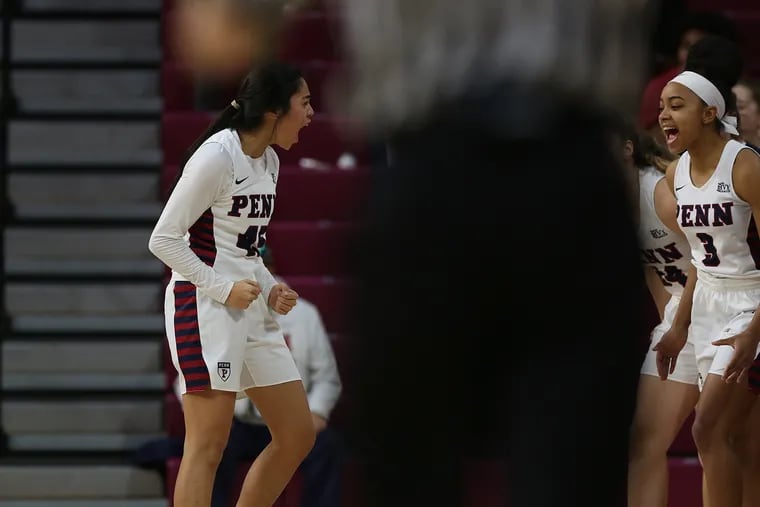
(219, 40)
(500, 288)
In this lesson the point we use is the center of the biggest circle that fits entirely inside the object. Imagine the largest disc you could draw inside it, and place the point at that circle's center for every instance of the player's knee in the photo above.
(207, 450)
(297, 440)
(707, 434)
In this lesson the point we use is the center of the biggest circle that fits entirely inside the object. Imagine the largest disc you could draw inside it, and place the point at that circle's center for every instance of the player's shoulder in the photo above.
(748, 155)
(747, 164)
(211, 154)
(670, 170)
(271, 154)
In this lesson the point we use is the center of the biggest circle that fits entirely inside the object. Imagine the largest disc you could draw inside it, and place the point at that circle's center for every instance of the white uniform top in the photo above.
(661, 248)
(717, 222)
(216, 219)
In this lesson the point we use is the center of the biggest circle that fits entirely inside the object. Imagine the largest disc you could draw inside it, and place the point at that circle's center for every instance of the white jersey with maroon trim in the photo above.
(215, 221)
(661, 248)
(718, 223)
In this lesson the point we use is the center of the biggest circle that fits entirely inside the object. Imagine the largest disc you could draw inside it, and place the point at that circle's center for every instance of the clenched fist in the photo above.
(282, 299)
(243, 293)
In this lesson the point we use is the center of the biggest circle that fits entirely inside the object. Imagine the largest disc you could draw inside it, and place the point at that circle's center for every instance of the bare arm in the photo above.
(666, 207)
(682, 319)
(657, 290)
(670, 175)
(747, 186)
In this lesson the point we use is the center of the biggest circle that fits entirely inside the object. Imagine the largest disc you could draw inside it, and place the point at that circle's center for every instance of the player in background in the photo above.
(748, 108)
(662, 407)
(224, 340)
(717, 187)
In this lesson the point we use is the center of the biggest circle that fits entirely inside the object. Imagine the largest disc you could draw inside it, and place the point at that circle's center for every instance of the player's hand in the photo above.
(745, 351)
(282, 299)
(243, 293)
(668, 348)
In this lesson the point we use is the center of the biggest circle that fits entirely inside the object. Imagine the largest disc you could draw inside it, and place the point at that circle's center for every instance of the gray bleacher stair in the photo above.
(82, 370)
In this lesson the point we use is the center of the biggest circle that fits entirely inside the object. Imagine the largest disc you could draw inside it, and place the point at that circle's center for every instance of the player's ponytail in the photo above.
(652, 153)
(221, 122)
(646, 150)
(267, 88)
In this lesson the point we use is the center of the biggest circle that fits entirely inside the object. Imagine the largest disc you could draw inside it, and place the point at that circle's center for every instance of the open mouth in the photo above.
(671, 134)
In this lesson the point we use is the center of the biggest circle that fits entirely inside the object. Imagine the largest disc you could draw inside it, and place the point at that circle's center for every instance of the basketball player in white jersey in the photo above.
(717, 187)
(662, 407)
(224, 340)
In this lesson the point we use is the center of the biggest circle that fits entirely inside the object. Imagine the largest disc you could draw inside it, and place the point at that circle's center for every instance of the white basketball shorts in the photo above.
(686, 366)
(217, 347)
(722, 307)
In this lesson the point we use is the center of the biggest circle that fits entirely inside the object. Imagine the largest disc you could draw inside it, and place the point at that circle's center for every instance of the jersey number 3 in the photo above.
(711, 254)
(253, 240)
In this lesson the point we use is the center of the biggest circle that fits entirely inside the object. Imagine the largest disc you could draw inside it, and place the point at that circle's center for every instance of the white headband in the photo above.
(710, 94)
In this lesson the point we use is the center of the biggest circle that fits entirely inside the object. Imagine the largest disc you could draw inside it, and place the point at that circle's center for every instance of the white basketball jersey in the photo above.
(718, 224)
(662, 249)
(233, 229)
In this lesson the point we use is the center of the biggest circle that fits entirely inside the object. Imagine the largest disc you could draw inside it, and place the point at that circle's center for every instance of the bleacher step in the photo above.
(83, 142)
(157, 502)
(87, 91)
(86, 268)
(92, 5)
(148, 323)
(35, 189)
(74, 483)
(41, 416)
(69, 357)
(83, 298)
(65, 244)
(90, 382)
(77, 443)
(86, 40)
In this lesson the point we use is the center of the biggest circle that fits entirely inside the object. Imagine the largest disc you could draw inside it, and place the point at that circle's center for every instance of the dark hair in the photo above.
(710, 23)
(267, 88)
(646, 150)
(720, 61)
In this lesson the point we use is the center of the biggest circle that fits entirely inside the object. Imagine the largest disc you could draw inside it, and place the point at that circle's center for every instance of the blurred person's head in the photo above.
(220, 39)
(700, 23)
(410, 59)
(694, 104)
(748, 107)
(406, 58)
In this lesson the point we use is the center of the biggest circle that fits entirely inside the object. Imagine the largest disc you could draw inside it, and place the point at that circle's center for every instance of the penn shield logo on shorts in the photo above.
(223, 369)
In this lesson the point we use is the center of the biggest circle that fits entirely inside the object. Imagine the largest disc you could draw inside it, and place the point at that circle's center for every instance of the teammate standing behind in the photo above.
(662, 407)
(717, 187)
(748, 106)
(224, 341)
